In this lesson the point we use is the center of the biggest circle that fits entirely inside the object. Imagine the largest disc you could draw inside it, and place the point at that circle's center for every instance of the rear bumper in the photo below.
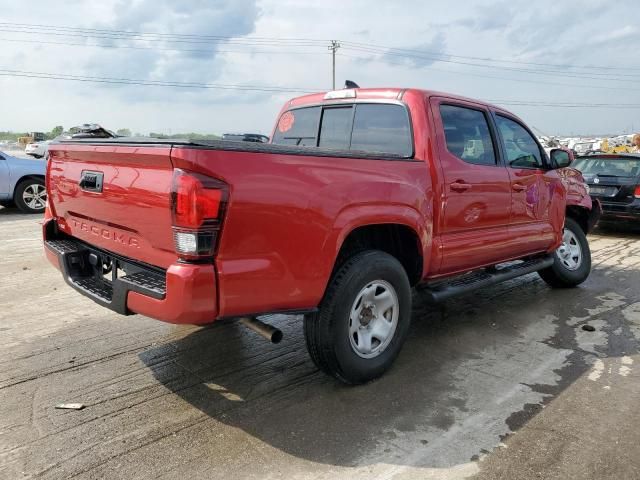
(184, 293)
(620, 211)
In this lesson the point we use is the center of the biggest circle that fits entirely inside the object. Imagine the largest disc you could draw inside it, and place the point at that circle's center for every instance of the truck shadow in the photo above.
(473, 370)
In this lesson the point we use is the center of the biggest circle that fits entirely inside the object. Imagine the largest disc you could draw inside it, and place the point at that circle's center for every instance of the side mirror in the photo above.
(560, 158)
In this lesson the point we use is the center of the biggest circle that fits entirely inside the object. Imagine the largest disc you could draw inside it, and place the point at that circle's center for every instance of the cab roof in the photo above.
(377, 94)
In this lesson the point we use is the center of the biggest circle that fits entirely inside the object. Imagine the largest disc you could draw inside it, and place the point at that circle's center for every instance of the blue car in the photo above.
(22, 183)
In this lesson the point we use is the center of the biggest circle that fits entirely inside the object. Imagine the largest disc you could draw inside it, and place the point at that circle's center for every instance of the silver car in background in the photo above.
(22, 183)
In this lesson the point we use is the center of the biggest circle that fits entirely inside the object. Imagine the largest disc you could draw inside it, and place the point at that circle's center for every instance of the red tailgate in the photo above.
(131, 215)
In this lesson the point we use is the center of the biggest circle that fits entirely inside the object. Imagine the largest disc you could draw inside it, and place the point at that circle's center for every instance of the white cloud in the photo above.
(579, 33)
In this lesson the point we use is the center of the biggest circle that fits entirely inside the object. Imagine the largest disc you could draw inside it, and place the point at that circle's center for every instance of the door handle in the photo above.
(518, 187)
(460, 186)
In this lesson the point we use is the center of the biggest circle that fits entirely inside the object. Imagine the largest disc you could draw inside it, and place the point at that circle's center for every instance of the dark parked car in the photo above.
(614, 179)
(246, 137)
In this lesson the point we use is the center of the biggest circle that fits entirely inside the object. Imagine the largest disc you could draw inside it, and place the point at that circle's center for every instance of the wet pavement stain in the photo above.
(170, 401)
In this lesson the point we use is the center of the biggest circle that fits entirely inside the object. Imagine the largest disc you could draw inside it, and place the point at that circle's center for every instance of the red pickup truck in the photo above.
(361, 195)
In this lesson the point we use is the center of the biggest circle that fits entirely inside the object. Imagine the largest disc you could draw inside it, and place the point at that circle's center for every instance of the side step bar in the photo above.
(446, 289)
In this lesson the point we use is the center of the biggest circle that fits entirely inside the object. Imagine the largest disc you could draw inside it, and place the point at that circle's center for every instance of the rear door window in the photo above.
(467, 134)
(298, 127)
(335, 131)
(382, 128)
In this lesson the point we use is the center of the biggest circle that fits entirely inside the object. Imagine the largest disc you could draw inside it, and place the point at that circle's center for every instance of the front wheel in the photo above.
(363, 319)
(572, 260)
(31, 195)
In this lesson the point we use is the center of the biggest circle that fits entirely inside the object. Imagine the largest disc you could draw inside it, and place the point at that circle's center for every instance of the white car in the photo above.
(37, 149)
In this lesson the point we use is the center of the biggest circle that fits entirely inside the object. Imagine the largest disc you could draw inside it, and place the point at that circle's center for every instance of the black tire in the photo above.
(559, 275)
(327, 331)
(18, 197)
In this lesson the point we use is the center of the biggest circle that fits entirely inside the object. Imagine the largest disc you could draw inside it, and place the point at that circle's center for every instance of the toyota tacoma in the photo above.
(361, 195)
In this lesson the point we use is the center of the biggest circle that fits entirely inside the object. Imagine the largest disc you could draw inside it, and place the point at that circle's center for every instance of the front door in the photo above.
(532, 186)
(476, 197)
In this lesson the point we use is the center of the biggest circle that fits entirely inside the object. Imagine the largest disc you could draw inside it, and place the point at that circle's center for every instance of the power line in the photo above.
(590, 76)
(331, 48)
(371, 48)
(155, 34)
(485, 59)
(169, 38)
(524, 103)
(520, 80)
(154, 83)
(185, 50)
(273, 89)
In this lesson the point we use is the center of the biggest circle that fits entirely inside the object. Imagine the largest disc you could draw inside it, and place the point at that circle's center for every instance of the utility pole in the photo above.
(334, 47)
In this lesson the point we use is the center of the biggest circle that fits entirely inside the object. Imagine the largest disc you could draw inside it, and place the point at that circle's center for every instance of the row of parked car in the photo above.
(22, 179)
(614, 179)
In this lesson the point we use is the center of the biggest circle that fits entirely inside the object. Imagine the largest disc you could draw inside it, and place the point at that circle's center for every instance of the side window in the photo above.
(521, 148)
(335, 131)
(382, 128)
(467, 134)
(298, 127)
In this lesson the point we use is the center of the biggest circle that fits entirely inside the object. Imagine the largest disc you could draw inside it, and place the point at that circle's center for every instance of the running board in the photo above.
(483, 278)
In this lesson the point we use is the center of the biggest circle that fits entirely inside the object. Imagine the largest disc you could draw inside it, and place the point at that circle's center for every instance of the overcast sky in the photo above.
(445, 47)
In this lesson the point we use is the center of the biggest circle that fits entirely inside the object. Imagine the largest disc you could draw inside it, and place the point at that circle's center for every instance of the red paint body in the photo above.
(288, 215)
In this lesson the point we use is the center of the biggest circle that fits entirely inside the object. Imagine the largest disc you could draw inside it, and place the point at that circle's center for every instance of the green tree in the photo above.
(57, 130)
(123, 132)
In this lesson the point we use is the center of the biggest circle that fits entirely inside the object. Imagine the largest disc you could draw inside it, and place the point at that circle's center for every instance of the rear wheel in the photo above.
(572, 260)
(363, 319)
(31, 195)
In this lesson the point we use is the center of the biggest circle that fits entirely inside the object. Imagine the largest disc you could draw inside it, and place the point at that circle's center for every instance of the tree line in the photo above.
(122, 132)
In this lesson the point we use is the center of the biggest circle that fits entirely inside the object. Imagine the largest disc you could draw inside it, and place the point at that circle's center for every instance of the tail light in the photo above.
(636, 192)
(198, 204)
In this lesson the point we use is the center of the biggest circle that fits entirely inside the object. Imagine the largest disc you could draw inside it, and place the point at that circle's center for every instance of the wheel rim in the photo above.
(373, 319)
(570, 252)
(35, 196)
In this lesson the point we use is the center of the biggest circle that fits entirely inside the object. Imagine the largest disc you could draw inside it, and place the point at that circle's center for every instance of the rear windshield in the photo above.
(619, 167)
(371, 128)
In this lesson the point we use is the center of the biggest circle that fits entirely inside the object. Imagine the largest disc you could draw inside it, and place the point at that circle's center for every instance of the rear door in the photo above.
(532, 186)
(476, 199)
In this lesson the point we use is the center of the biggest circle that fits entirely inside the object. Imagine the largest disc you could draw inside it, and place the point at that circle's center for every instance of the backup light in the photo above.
(186, 242)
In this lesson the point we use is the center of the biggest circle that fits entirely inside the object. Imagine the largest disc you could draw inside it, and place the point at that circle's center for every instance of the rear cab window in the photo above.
(298, 127)
(366, 127)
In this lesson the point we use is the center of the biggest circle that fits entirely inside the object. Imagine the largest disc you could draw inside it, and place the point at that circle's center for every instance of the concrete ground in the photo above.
(503, 383)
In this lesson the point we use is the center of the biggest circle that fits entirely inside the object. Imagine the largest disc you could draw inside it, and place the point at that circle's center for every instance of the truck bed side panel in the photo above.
(287, 214)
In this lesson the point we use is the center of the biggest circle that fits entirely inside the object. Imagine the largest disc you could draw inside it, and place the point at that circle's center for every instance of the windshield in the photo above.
(619, 167)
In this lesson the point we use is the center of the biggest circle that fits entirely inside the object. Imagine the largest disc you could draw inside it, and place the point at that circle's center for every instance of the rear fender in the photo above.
(357, 216)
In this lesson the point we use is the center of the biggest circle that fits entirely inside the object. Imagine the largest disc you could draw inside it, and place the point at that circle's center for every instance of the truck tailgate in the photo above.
(122, 206)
